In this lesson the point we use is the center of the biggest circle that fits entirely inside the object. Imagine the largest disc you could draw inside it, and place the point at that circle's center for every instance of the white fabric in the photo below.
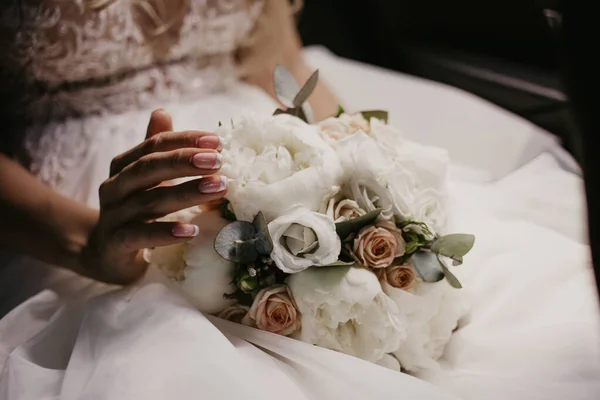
(532, 333)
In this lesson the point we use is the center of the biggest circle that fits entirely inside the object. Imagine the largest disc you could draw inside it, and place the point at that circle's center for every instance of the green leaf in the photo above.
(457, 260)
(341, 264)
(346, 228)
(453, 245)
(220, 124)
(340, 111)
(235, 242)
(263, 241)
(379, 114)
(452, 280)
(226, 213)
(306, 90)
(427, 266)
(285, 86)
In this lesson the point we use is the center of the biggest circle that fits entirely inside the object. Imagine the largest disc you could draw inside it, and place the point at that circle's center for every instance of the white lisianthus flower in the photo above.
(276, 161)
(344, 309)
(303, 238)
(207, 276)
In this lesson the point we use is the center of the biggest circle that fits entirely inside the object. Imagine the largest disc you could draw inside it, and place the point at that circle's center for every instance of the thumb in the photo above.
(160, 121)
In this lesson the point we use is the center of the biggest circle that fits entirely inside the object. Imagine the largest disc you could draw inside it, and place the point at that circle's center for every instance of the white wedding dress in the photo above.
(533, 330)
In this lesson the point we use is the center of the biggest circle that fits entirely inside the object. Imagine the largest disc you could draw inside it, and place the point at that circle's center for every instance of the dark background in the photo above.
(503, 51)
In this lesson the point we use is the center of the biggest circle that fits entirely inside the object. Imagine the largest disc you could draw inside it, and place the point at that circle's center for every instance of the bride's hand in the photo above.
(133, 198)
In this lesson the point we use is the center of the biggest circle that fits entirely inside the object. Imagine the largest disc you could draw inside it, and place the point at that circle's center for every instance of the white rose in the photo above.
(356, 122)
(273, 162)
(302, 239)
(334, 129)
(344, 309)
(207, 276)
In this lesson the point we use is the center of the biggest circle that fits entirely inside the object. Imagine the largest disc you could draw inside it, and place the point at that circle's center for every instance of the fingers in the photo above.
(152, 169)
(139, 236)
(163, 200)
(163, 142)
(160, 121)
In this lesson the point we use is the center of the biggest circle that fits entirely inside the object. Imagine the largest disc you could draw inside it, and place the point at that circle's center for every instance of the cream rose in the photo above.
(397, 276)
(344, 309)
(235, 313)
(302, 239)
(274, 310)
(378, 245)
(343, 210)
(273, 162)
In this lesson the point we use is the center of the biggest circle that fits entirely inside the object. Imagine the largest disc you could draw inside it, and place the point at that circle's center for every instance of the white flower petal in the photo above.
(324, 248)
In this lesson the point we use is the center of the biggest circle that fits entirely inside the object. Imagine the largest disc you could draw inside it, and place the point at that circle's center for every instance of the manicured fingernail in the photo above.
(207, 160)
(212, 184)
(210, 142)
(185, 230)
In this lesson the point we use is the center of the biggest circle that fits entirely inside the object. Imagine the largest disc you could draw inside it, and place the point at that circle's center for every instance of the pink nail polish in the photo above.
(185, 230)
(212, 184)
(210, 142)
(207, 160)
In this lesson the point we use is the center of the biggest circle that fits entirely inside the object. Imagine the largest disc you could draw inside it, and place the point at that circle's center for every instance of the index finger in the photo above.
(166, 141)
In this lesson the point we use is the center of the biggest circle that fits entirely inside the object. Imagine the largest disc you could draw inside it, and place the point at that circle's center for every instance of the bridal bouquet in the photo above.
(331, 233)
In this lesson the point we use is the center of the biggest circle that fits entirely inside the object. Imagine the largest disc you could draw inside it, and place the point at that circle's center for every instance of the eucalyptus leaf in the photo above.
(340, 111)
(307, 89)
(285, 85)
(379, 114)
(263, 241)
(346, 228)
(302, 113)
(226, 213)
(235, 242)
(427, 266)
(341, 264)
(456, 244)
(457, 260)
(452, 280)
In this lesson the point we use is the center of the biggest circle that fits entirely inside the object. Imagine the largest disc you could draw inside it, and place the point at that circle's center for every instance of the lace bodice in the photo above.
(74, 57)
(68, 62)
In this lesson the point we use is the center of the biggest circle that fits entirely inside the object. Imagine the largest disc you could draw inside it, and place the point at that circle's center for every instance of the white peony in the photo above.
(432, 312)
(207, 276)
(303, 238)
(344, 309)
(273, 162)
(417, 179)
(366, 167)
(404, 179)
(169, 259)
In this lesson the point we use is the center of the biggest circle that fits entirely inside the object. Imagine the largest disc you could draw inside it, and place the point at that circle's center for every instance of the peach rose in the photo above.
(397, 276)
(235, 313)
(378, 245)
(274, 310)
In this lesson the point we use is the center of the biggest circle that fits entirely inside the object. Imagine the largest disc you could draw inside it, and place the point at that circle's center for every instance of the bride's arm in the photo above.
(39, 222)
(106, 245)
